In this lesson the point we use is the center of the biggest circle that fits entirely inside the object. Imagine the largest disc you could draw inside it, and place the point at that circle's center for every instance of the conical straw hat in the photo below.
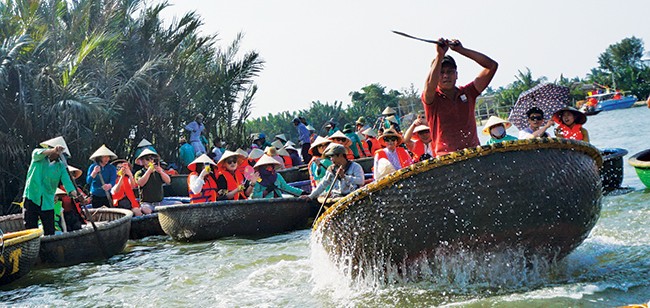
(370, 132)
(241, 152)
(56, 141)
(60, 191)
(390, 133)
(76, 172)
(339, 134)
(277, 144)
(384, 168)
(289, 143)
(319, 140)
(228, 154)
(289, 147)
(311, 128)
(144, 143)
(103, 151)
(494, 121)
(146, 152)
(391, 119)
(203, 159)
(420, 128)
(281, 137)
(255, 154)
(388, 111)
(283, 152)
(267, 160)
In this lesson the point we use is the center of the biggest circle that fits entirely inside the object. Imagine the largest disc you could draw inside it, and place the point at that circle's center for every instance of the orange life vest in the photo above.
(404, 157)
(233, 182)
(68, 203)
(375, 144)
(208, 191)
(418, 149)
(125, 190)
(287, 161)
(574, 132)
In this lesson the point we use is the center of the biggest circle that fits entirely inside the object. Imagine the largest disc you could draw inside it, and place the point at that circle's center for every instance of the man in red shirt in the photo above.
(450, 109)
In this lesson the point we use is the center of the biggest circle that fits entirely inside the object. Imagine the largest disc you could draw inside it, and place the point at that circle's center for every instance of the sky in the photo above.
(323, 50)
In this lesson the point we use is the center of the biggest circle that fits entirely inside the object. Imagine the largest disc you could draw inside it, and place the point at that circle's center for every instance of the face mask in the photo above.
(498, 132)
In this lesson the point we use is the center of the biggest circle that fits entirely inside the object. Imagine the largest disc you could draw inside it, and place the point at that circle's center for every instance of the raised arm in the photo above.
(489, 66)
(434, 73)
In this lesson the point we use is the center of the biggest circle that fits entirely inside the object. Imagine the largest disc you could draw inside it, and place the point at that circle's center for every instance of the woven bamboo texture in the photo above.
(612, 171)
(19, 254)
(84, 245)
(542, 194)
(12, 223)
(145, 225)
(257, 217)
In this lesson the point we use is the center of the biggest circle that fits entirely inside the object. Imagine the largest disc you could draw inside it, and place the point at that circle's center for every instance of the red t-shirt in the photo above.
(452, 121)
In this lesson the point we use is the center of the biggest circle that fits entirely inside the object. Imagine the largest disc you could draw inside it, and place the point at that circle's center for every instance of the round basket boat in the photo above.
(542, 195)
(177, 187)
(12, 223)
(641, 163)
(213, 220)
(145, 225)
(295, 174)
(611, 172)
(19, 253)
(86, 245)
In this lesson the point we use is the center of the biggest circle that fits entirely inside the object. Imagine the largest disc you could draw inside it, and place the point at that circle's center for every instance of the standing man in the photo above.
(185, 154)
(304, 139)
(196, 128)
(449, 109)
(45, 173)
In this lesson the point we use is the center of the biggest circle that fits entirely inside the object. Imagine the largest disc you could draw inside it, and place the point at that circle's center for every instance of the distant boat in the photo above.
(612, 101)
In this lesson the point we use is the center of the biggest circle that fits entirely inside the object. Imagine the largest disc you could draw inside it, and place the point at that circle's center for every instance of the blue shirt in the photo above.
(195, 131)
(303, 134)
(109, 173)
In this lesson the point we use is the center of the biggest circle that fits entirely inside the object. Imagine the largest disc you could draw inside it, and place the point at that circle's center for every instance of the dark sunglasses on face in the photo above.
(389, 139)
(339, 139)
(231, 161)
(537, 118)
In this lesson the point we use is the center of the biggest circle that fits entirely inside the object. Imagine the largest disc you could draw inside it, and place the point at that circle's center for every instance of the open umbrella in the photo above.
(548, 97)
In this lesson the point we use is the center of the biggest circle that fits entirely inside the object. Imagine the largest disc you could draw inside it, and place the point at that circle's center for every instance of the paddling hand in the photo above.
(59, 149)
(442, 48)
(340, 172)
(96, 171)
(107, 186)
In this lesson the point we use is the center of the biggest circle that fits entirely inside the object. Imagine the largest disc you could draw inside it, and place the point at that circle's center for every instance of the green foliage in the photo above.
(620, 67)
(99, 72)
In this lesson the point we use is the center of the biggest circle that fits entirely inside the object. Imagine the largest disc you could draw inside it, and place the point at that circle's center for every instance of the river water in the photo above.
(611, 268)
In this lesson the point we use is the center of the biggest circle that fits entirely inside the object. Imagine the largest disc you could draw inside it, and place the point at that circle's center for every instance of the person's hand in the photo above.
(96, 171)
(442, 48)
(340, 172)
(455, 44)
(107, 186)
(127, 172)
(548, 124)
(417, 122)
(204, 172)
(159, 169)
(59, 149)
(255, 177)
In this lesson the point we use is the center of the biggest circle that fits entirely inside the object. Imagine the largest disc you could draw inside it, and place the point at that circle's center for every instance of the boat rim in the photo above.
(637, 163)
(14, 238)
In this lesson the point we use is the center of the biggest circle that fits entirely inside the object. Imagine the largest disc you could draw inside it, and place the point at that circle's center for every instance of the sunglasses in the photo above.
(231, 161)
(339, 139)
(389, 139)
(537, 118)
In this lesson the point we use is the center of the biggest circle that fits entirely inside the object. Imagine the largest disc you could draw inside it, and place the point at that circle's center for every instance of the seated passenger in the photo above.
(122, 192)
(202, 181)
(496, 128)
(231, 184)
(340, 138)
(71, 207)
(356, 146)
(397, 156)
(371, 140)
(570, 121)
(420, 145)
(293, 154)
(151, 179)
(342, 177)
(272, 184)
(318, 165)
(535, 129)
(254, 156)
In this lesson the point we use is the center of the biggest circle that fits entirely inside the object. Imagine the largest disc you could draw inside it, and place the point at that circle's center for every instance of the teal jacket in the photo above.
(506, 138)
(281, 187)
(43, 178)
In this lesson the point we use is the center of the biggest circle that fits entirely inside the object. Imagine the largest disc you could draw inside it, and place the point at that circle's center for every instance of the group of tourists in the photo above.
(446, 124)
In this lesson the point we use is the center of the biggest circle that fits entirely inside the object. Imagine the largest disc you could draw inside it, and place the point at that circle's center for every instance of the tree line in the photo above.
(112, 72)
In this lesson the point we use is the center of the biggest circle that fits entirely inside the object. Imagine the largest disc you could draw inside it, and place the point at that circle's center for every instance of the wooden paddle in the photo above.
(329, 192)
(421, 39)
(100, 240)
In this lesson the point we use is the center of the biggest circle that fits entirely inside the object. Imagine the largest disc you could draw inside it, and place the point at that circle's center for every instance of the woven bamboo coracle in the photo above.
(542, 195)
(19, 253)
(213, 220)
(84, 245)
(145, 225)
